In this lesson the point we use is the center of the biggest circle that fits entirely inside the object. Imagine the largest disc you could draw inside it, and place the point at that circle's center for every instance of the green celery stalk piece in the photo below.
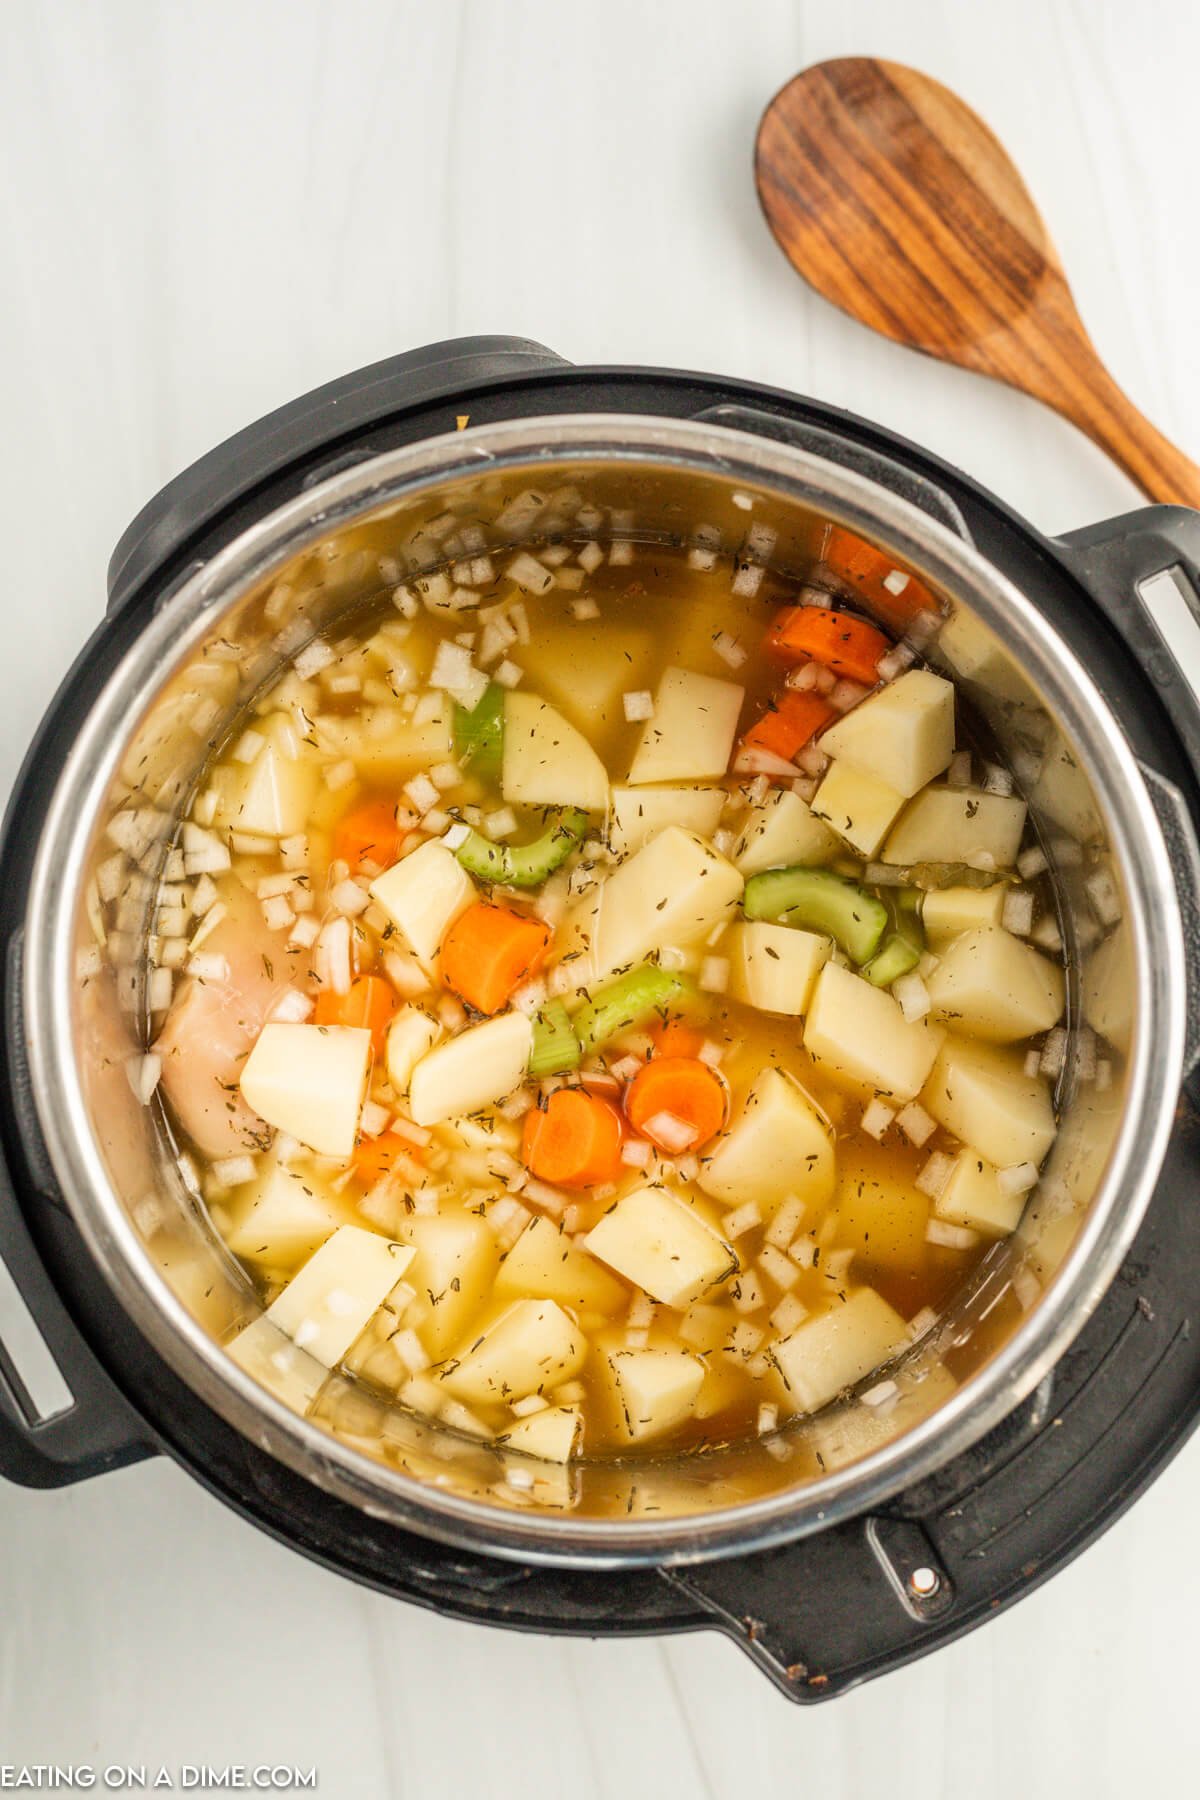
(523, 865)
(555, 1047)
(818, 900)
(479, 734)
(625, 1003)
(904, 945)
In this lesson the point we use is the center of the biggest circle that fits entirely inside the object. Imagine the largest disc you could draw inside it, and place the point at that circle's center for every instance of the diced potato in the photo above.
(309, 1080)
(274, 1361)
(777, 1144)
(411, 1035)
(273, 794)
(660, 1244)
(879, 1211)
(478, 1067)
(947, 911)
(330, 1301)
(532, 1345)
(860, 807)
(586, 667)
(989, 984)
(456, 1257)
(1063, 792)
(655, 1389)
(973, 1197)
(781, 832)
(638, 814)
(831, 1351)
(551, 1434)
(673, 891)
(903, 735)
(546, 761)
(858, 1034)
(1108, 989)
(544, 1261)
(423, 895)
(283, 1216)
(982, 1094)
(958, 825)
(775, 967)
(386, 745)
(692, 731)
(975, 654)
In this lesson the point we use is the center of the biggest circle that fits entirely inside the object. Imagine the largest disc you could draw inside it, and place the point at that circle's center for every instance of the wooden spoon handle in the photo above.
(1108, 416)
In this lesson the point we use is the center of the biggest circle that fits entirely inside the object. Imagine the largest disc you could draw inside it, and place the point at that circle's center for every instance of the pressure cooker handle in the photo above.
(312, 427)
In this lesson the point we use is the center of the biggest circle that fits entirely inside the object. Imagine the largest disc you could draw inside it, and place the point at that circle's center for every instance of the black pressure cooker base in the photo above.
(836, 1608)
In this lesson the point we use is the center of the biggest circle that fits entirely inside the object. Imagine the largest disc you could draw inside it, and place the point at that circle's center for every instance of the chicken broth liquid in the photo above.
(608, 1013)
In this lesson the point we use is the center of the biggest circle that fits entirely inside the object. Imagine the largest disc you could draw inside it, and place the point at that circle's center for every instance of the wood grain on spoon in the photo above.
(895, 201)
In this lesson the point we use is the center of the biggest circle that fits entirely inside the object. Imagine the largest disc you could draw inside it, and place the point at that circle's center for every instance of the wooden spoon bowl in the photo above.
(895, 201)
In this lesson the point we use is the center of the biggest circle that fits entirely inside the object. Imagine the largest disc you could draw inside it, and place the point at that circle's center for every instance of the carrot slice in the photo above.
(684, 1088)
(574, 1140)
(844, 643)
(368, 833)
(489, 951)
(867, 570)
(677, 1038)
(373, 1158)
(370, 1003)
(790, 722)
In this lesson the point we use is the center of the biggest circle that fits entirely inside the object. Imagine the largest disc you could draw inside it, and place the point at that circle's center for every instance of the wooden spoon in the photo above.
(895, 201)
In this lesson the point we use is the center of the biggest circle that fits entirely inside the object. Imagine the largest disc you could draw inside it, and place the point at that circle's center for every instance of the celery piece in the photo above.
(555, 1047)
(904, 945)
(818, 900)
(479, 734)
(625, 1003)
(523, 865)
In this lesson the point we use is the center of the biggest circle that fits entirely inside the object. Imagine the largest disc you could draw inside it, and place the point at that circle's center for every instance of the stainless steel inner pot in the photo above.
(183, 684)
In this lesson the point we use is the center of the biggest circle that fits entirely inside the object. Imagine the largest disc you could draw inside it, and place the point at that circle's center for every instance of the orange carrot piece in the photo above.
(683, 1086)
(489, 951)
(789, 723)
(373, 1158)
(845, 644)
(368, 833)
(866, 570)
(370, 1003)
(574, 1140)
(678, 1038)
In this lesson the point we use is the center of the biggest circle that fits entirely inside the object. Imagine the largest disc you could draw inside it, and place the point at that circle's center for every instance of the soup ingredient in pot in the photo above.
(670, 1026)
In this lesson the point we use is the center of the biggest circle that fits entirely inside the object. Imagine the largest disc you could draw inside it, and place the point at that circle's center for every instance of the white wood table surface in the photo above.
(206, 208)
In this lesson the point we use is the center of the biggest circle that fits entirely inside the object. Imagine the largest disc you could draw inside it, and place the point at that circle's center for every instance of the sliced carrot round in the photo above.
(676, 1088)
(573, 1141)
(370, 1003)
(376, 1157)
(489, 951)
(678, 1038)
(368, 833)
(844, 643)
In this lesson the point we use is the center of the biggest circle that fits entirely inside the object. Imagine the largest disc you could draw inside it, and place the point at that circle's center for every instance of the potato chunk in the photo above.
(329, 1302)
(691, 734)
(777, 1144)
(947, 911)
(655, 1389)
(640, 813)
(551, 1434)
(990, 985)
(532, 1345)
(1109, 987)
(973, 1197)
(270, 1357)
(662, 1245)
(546, 761)
(673, 891)
(775, 967)
(585, 667)
(423, 895)
(983, 1095)
(385, 744)
(456, 1257)
(309, 1080)
(958, 825)
(544, 1261)
(274, 793)
(283, 1216)
(782, 832)
(860, 807)
(858, 1033)
(903, 735)
(478, 1067)
(411, 1035)
(831, 1351)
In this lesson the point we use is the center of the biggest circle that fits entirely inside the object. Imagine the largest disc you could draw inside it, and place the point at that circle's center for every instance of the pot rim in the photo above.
(937, 555)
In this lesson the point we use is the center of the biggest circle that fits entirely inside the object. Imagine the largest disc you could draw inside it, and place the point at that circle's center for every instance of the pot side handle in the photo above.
(312, 426)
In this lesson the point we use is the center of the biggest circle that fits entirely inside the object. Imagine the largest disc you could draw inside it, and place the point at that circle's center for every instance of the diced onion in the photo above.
(878, 1395)
(1017, 913)
(958, 770)
(934, 1175)
(915, 1123)
(670, 1132)
(508, 674)
(143, 1073)
(950, 1237)
(912, 997)
(996, 780)
(1031, 862)
(235, 1171)
(1054, 1052)
(714, 974)
(876, 1119)
(1018, 1178)
(743, 1219)
(291, 1008)
(638, 705)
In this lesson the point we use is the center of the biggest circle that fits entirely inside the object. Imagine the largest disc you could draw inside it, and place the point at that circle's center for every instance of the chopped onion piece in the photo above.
(921, 1323)
(291, 1008)
(780, 1268)
(729, 650)
(312, 659)
(912, 997)
(638, 705)
(894, 662)
(590, 557)
(950, 1237)
(1031, 862)
(933, 1177)
(752, 760)
(636, 1153)
(585, 609)
(915, 1123)
(508, 674)
(1017, 913)
(714, 974)
(743, 1219)
(803, 678)
(1054, 1052)
(143, 1073)
(876, 1118)
(790, 1312)
(844, 695)
(996, 780)
(958, 771)
(1018, 1178)
(1102, 892)
(670, 1132)
(207, 966)
(234, 1171)
(747, 579)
